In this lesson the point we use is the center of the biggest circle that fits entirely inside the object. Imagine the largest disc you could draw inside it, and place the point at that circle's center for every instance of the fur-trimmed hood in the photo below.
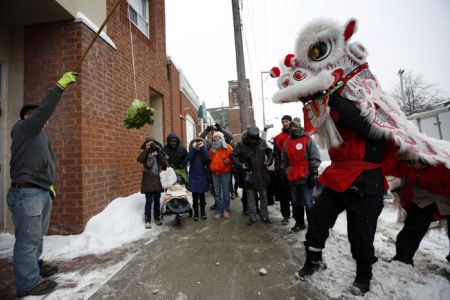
(197, 139)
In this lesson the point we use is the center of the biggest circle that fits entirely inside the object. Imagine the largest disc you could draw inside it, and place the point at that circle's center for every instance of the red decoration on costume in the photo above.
(290, 61)
(275, 72)
(349, 29)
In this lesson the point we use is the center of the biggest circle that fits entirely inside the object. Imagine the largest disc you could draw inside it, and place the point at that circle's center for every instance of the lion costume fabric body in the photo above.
(326, 62)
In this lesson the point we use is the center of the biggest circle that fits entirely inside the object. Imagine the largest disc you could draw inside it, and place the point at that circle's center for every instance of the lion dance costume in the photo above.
(360, 125)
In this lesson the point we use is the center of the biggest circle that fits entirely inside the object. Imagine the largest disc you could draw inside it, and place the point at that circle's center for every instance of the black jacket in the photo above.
(32, 157)
(176, 157)
(256, 158)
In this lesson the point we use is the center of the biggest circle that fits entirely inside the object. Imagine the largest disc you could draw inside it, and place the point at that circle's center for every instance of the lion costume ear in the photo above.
(350, 29)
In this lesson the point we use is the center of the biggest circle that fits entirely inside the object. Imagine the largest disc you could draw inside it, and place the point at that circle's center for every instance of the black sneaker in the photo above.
(267, 221)
(47, 270)
(158, 222)
(251, 222)
(195, 218)
(44, 287)
(298, 227)
(285, 221)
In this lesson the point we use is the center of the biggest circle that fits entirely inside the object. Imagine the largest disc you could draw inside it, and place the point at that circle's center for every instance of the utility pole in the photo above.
(262, 96)
(243, 102)
(400, 74)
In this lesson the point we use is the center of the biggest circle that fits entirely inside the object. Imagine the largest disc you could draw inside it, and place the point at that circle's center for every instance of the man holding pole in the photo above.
(30, 196)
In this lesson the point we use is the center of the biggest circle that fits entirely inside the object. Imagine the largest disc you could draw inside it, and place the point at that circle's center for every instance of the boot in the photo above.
(44, 287)
(46, 270)
(195, 207)
(196, 212)
(361, 284)
(312, 264)
(148, 222)
(403, 259)
(202, 211)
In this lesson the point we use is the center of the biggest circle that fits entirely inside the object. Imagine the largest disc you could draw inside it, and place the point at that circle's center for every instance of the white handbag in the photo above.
(168, 177)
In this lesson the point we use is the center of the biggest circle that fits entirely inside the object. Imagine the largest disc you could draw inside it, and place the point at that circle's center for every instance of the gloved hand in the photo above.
(218, 127)
(67, 79)
(209, 128)
(312, 180)
(52, 192)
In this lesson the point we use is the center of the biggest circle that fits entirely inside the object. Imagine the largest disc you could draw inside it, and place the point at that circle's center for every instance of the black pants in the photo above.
(195, 198)
(416, 226)
(284, 196)
(362, 215)
(272, 188)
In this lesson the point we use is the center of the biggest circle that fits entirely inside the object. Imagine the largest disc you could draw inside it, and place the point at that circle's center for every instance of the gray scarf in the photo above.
(152, 164)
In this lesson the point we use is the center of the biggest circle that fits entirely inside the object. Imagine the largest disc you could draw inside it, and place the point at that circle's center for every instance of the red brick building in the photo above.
(96, 154)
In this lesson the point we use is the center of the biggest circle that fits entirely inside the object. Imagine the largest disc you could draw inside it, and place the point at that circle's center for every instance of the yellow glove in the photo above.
(67, 79)
(52, 192)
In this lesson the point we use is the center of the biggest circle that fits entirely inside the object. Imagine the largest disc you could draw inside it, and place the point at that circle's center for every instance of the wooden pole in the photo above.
(242, 92)
(77, 67)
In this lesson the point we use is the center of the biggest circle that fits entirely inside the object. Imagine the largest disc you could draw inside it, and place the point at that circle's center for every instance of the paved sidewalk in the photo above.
(214, 259)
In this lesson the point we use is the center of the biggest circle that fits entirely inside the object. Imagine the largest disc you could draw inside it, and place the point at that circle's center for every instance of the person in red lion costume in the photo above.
(354, 119)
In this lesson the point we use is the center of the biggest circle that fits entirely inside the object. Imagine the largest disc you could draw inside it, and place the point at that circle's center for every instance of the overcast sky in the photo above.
(410, 34)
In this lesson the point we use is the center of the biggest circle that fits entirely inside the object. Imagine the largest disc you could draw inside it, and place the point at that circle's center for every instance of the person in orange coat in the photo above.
(220, 153)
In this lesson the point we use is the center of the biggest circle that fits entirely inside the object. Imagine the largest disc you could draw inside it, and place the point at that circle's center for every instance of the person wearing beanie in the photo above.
(300, 162)
(283, 194)
(220, 167)
(252, 156)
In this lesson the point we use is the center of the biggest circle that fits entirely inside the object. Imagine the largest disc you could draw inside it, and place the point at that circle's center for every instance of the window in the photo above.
(138, 14)
(190, 129)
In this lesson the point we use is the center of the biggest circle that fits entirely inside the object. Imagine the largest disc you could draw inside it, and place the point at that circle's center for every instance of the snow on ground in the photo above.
(428, 280)
(120, 223)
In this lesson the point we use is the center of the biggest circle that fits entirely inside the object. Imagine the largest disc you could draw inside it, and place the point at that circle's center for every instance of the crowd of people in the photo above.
(214, 160)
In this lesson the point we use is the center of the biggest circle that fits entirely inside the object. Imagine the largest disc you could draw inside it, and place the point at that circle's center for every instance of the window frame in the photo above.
(145, 9)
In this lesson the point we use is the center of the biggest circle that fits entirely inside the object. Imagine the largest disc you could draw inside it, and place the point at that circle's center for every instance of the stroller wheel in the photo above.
(178, 221)
(190, 212)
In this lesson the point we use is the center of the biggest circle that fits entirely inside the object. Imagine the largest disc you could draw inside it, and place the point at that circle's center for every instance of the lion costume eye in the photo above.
(320, 50)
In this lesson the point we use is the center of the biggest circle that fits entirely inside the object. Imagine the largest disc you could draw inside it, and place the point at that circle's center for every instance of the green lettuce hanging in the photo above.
(138, 114)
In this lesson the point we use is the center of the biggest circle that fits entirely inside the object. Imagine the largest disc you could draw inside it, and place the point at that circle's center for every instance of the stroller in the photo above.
(177, 200)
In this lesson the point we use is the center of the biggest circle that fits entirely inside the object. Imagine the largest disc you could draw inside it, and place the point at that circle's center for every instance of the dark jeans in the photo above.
(416, 226)
(362, 215)
(153, 197)
(244, 200)
(301, 200)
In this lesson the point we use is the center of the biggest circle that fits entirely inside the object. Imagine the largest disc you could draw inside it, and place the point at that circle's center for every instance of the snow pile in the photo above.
(119, 223)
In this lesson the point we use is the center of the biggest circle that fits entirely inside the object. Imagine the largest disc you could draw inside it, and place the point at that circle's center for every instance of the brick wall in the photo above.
(96, 154)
